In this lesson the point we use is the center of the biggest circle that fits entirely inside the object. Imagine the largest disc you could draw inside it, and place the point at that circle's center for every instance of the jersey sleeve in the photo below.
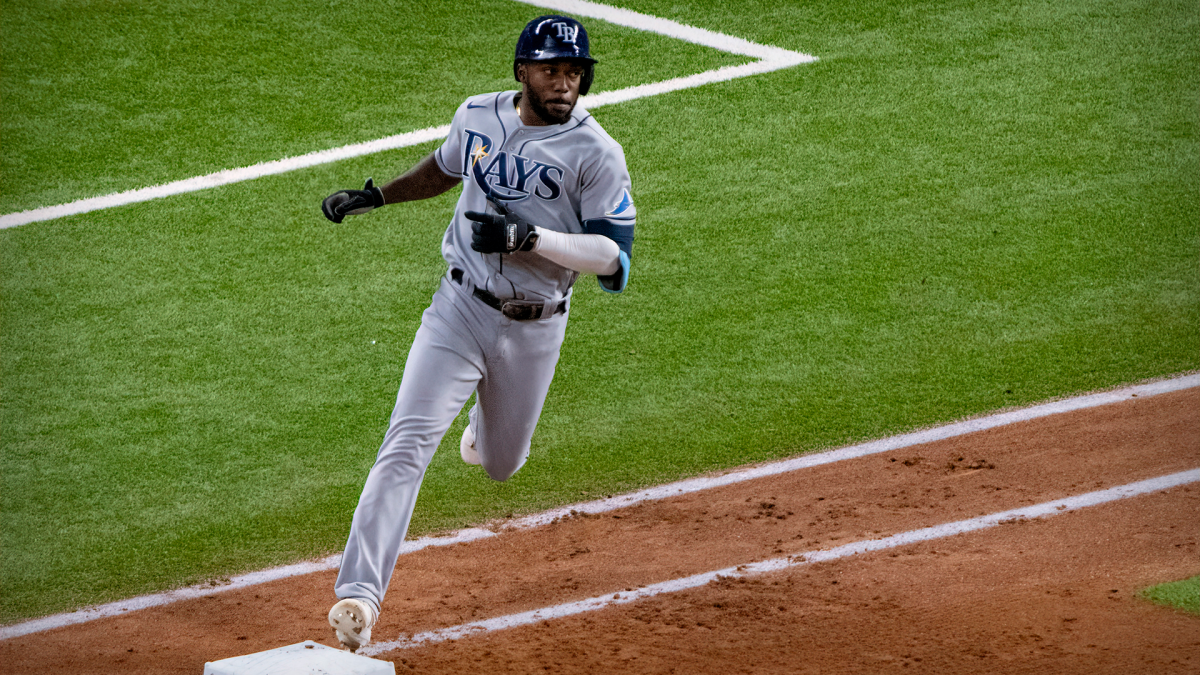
(606, 208)
(449, 155)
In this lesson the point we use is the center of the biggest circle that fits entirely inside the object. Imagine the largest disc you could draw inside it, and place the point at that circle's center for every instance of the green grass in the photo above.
(101, 97)
(1183, 595)
(962, 206)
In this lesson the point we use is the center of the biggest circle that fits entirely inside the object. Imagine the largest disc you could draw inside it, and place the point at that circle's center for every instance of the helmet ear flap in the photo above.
(585, 82)
(552, 37)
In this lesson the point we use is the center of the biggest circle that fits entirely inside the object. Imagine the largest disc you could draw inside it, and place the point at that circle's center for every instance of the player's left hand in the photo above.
(500, 233)
(352, 202)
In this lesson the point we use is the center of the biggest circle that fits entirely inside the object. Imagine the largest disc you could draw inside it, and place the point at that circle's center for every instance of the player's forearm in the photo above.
(587, 253)
(423, 181)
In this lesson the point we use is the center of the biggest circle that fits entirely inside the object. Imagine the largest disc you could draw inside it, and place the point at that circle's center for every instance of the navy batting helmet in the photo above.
(551, 37)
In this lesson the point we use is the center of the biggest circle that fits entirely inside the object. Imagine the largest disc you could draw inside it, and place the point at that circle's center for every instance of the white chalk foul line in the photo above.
(202, 590)
(1043, 510)
(771, 58)
(220, 178)
(674, 29)
(861, 450)
(621, 501)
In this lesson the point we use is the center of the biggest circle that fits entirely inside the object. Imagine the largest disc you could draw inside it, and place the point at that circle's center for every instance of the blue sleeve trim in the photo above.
(622, 234)
(616, 282)
(618, 231)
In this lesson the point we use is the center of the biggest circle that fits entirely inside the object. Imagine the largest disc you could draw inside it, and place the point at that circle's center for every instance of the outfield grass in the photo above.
(1183, 594)
(962, 206)
(119, 95)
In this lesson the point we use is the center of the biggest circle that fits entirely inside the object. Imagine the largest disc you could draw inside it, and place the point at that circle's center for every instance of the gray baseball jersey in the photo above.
(569, 178)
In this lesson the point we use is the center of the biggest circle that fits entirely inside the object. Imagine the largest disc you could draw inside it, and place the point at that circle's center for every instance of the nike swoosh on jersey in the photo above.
(472, 105)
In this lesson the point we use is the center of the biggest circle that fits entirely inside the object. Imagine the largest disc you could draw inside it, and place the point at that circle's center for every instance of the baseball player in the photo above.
(546, 197)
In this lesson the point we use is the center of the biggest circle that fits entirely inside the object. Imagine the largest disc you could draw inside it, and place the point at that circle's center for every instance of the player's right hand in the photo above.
(500, 233)
(352, 202)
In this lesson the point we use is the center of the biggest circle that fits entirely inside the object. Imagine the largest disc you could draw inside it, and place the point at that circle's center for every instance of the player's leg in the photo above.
(443, 367)
(510, 395)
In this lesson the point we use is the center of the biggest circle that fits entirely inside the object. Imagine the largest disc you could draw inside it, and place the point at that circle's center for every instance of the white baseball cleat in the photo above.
(466, 447)
(352, 620)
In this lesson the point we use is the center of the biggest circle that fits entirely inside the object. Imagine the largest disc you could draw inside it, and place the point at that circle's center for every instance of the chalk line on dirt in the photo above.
(620, 501)
(1043, 510)
(861, 450)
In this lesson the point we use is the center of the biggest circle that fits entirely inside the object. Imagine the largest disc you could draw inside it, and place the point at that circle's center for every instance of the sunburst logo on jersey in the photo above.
(479, 154)
(505, 176)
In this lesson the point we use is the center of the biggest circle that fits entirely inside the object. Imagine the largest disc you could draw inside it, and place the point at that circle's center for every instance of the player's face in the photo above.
(551, 88)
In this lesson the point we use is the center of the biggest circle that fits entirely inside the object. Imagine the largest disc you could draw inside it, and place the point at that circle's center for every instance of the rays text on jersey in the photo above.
(508, 176)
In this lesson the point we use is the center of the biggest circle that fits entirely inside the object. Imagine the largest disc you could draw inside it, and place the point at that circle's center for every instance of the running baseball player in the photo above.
(546, 197)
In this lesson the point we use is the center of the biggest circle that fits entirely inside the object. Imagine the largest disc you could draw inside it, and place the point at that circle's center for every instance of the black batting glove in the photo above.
(352, 202)
(500, 233)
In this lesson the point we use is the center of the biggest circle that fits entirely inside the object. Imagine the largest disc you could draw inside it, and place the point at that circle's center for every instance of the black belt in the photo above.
(518, 310)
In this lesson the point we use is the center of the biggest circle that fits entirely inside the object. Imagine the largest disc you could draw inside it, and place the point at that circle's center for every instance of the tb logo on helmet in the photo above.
(552, 37)
(566, 32)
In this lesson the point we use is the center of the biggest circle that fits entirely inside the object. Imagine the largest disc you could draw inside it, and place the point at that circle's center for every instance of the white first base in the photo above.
(305, 658)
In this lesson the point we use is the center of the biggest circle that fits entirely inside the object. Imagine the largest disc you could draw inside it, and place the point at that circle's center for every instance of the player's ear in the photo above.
(521, 74)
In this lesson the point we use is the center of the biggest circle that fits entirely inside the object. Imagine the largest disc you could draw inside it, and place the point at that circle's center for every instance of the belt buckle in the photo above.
(521, 311)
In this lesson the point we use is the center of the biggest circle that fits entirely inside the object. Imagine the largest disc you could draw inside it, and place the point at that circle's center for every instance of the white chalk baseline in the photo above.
(1043, 510)
(620, 501)
(769, 59)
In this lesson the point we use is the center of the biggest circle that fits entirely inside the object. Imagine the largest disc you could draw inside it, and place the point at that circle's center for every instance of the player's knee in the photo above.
(501, 469)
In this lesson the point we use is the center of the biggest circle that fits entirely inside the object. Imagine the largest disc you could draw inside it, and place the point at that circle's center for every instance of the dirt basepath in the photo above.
(1035, 597)
(1052, 596)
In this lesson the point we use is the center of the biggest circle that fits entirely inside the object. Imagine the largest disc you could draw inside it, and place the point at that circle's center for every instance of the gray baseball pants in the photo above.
(462, 346)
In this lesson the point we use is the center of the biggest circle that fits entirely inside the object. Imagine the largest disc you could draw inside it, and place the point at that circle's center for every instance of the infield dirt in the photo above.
(1052, 595)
